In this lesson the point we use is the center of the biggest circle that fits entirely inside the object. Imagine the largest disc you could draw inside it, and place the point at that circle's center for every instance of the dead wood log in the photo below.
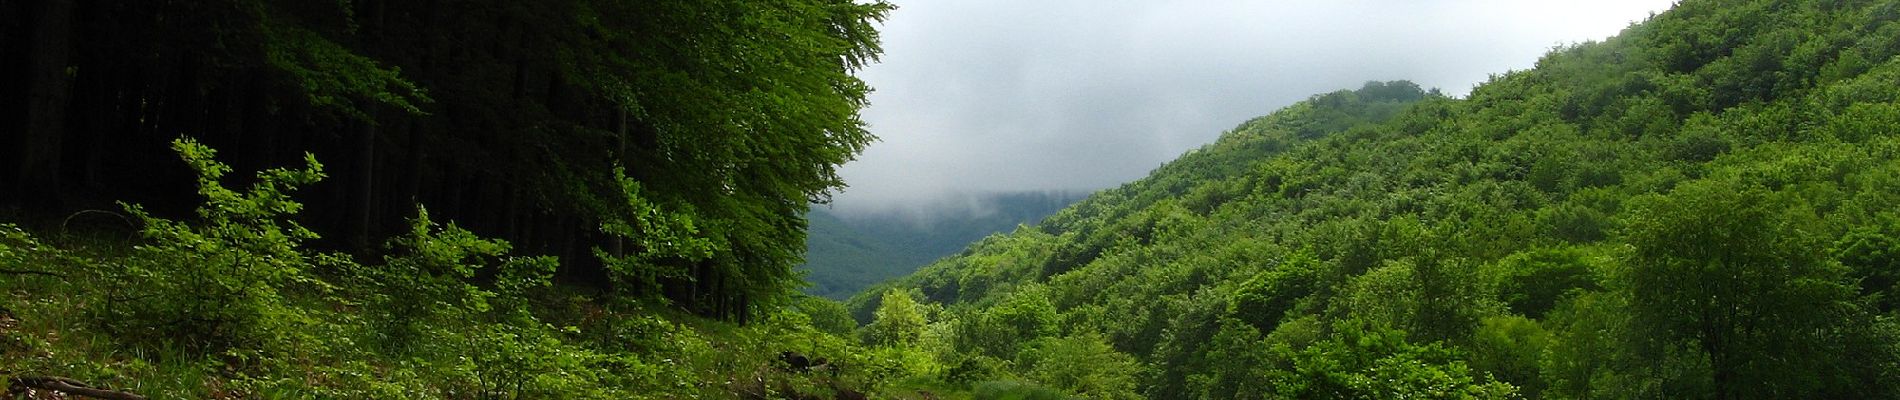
(67, 385)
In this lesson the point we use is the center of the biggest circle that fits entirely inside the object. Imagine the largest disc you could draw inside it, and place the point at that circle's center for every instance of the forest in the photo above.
(478, 199)
(846, 252)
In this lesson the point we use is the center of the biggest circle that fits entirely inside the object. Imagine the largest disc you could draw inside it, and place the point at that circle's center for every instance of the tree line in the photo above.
(726, 117)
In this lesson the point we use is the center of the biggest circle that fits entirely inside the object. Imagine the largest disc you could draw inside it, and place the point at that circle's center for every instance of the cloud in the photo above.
(978, 96)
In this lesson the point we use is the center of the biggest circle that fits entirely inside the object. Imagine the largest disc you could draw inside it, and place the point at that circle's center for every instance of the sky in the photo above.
(984, 96)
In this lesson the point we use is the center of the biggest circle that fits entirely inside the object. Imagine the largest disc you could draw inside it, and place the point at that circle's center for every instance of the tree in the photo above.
(1238, 359)
(1367, 362)
(1533, 282)
(899, 321)
(50, 88)
(1733, 271)
(1262, 300)
(1085, 365)
(1875, 260)
(999, 331)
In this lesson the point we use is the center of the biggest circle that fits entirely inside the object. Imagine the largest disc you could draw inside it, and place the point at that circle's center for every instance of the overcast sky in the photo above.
(978, 96)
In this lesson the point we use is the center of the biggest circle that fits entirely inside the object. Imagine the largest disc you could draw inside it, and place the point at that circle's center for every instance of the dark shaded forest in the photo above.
(509, 118)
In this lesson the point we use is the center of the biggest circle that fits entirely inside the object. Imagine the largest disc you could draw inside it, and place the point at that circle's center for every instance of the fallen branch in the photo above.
(69, 219)
(19, 383)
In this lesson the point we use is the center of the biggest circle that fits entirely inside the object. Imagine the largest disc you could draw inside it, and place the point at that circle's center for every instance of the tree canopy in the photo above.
(1700, 207)
(727, 117)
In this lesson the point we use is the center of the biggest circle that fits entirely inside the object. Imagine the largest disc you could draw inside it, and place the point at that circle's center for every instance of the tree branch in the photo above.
(67, 385)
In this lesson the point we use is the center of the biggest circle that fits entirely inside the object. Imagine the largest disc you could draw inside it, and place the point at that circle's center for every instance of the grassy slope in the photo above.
(232, 305)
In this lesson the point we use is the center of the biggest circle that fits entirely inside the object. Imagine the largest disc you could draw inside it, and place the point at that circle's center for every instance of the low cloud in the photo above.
(982, 96)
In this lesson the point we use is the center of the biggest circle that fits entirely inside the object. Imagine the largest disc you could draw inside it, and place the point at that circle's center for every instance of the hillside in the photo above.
(589, 199)
(846, 253)
(1701, 207)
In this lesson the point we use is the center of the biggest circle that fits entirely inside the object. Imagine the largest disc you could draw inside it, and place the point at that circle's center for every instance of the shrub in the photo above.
(218, 283)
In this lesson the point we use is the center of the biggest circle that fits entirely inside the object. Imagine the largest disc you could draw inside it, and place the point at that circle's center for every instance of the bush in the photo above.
(431, 282)
(217, 284)
(1084, 365)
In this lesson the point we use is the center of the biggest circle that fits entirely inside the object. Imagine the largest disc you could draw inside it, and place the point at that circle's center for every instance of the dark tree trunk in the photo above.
(620, 135)
(362, 186)
(256, 126)
(412, 169)
(99, 89)
(48, 94)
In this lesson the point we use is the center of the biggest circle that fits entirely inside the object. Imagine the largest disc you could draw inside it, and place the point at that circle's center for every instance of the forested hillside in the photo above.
(846, 252)
(605, 200)
(1706, 206)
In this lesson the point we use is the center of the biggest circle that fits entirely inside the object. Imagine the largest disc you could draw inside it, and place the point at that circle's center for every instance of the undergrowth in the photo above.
(234, 304)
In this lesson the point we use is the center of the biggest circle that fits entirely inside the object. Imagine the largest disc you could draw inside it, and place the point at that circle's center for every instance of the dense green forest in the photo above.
(1706, 206)
(847, 252)
(563, 127)
(428, 199)
(595, 199)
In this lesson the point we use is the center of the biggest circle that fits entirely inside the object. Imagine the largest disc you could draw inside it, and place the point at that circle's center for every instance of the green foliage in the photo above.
(745, 109)
(1585, 358)
(1083, 365)
(1511, 349)
(728, 117)
(445, 314)
(336, 78)
(1381, 364)
(826, 315)
(999, 390)
(1264, 299)
(33, 259)
(431, 281)
(999, 331)
(1698, 208)
(220, 283)
(899, 321)
(1874, 260)
(1729, 270)
(662, 241)
(1531, 283)
(1238, 359)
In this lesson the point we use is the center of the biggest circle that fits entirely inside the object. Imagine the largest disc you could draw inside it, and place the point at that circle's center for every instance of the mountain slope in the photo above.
(1701, 207)
(845, 254)
(839, 257)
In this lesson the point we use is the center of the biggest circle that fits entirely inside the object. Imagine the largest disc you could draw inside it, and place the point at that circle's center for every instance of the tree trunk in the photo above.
(49, 91)
(620, 136)
(362, 187)
(412, 169)
(97, 96)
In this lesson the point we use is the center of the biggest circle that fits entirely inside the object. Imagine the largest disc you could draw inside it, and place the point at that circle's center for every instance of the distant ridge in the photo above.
(847, 252)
